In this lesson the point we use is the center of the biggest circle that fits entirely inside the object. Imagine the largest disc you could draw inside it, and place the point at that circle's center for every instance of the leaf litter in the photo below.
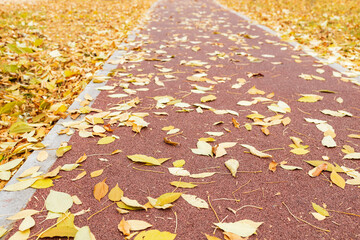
(100, 124)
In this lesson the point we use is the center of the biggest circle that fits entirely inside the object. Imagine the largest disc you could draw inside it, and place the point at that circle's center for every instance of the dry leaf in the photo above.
(310, 98)
(42, 156)
(337, 179)
(84, 234)
(328, 141)
(208, 237)
(243, 228)
(116, 193)
(320, 210)
(79, 176)
(183, 184)
(138, 225)
(96, 173)
(232, 236)
(179, 163)
(124, 227)
(27, 223)
(232, 165)
(256, 152)
(208, 98)
(100, 190)
(167, 198)
(81, 159)
(144, 159)
(168, 141)
(195, 201)
(65, 227)
(354, 155)
(106, 140)
(23, 214)
(62, 150)
(58, 202)
(317, 170)
(235, 123)
(272, 166)
(155, 234)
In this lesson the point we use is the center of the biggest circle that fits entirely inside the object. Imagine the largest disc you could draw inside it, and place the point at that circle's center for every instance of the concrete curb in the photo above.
(295, 44)
(13, 202)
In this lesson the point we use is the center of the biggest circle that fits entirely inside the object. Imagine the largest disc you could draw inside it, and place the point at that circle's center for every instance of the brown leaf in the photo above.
(124, 227)
(272, 166)
(317, 170)
(168, 141)
(236, 123)
(100, 190)
(265, 130)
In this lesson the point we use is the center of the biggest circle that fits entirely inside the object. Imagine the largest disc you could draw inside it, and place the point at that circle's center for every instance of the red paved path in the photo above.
(204, 24)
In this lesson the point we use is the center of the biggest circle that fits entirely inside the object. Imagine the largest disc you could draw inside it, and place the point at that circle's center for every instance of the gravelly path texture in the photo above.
(231, 56)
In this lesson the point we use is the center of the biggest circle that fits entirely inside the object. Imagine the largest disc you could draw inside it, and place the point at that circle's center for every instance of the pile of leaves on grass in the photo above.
(49, 51)
(331, 28)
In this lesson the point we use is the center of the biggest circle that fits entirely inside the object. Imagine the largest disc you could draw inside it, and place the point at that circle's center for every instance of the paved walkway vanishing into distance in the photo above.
(198, 81)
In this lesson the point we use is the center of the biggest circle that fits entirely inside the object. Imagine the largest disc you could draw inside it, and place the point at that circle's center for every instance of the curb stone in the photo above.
(13, 202)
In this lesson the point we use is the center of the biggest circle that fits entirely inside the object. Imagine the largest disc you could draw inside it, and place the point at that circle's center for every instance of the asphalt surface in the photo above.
(231, 49)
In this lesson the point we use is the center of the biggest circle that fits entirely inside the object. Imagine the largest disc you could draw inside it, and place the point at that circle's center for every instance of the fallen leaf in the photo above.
(208, 237)
(256, 152)
(167, 198)
(202, 175)
(124, 227)
(179, 172)
(179, 163)
(232, 165)
(203, 148)
(21, 235)
(289, 167)
(318, 216)
(62, 150)
(27, 223)
(337, 179)
(43, 183)
(182, 184)
(106, 140)
(23, 214)
(100, 190)
(195, 201)
(144, 159)
(155, 234)
(317, 170)
(116, 193)
(232, 236)
(354, 155)
(10, 165)
(58, 202)
(208, 98)
(168, 141)
(243, 228)
(96, 173)
(320, 210)
(65, 227)
(138, 225)
(132, 203)
(79, 176)
(20, 185)
(272, 166)
(84, 234)
(42, 156)
(328, 141)
(310, 98)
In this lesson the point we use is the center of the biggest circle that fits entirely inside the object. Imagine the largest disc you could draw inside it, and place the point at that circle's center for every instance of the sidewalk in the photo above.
(199, 71)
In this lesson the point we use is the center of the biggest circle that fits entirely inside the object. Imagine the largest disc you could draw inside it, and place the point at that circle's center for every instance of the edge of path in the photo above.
(295, 44)
(13, 202)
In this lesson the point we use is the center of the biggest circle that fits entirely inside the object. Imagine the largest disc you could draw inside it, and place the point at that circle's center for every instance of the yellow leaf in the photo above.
(96, 173)
(179, 163)
(354, 136)
(155, 234)
(124, 206)
(81, 159)
(208, 237)
(168, 128)
(248, 126)
(100, 190)
(116, 151)
(254, 90)
(65, 227)
(167, 198)
(79, 176)
(330, 167)
(62, 150)
(208, 98)
(43, 183)
(106, 140)
(20, 127)
(207, 139)
(124, 227)
(116, 193)
(58, 202)
(310, 98)
(299, 151)
(144, 159)
(183, 184)
(337, 179)
(255, 115)
(320, 210)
